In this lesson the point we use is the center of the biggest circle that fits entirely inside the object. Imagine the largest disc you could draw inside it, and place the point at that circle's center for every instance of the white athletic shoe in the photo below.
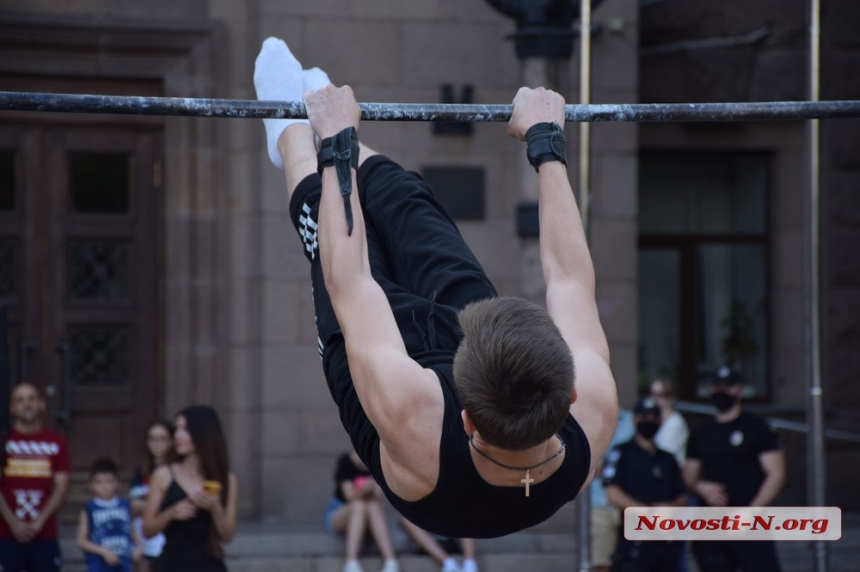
(469, 566)
(352, 566)
(391, 566)
(450, 565)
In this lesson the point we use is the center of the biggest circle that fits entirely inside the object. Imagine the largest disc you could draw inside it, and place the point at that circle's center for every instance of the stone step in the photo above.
(791, 561)
(260, 547)
(271, 548)
(490, 563)
(254, 541)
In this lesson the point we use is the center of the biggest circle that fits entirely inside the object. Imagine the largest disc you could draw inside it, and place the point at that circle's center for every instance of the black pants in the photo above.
(656, 556)
(417, 256)
(41, 555)
(730, 556)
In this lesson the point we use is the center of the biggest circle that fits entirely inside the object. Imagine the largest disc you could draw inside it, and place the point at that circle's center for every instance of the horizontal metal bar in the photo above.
(238, 108)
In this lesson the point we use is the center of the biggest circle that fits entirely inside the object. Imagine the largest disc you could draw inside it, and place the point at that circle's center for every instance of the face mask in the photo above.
(723, 400)
(647, 429)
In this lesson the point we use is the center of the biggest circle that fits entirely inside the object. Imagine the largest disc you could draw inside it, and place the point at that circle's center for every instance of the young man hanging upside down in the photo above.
(462, 403)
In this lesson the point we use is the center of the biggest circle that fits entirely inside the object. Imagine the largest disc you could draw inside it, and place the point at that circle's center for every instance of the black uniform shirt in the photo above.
(729, 453)
(648, 478)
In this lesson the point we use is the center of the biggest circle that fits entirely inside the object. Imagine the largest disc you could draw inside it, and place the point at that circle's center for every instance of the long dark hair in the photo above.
(149, 460)
(204, 427)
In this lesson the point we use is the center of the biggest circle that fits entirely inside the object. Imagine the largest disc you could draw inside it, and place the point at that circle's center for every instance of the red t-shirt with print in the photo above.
(31, 461)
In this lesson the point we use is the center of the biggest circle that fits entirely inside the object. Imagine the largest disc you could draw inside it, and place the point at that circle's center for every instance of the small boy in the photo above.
(105, 534)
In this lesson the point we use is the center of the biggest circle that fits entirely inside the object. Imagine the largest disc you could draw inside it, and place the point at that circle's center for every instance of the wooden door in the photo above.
(83, 236)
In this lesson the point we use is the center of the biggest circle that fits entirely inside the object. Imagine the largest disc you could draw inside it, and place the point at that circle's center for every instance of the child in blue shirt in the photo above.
(105, 534)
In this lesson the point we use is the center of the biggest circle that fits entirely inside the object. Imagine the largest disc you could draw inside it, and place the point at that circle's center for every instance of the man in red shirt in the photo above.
(33, 485)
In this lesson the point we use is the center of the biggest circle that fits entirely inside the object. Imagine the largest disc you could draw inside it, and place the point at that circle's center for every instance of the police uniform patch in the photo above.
(736, 438)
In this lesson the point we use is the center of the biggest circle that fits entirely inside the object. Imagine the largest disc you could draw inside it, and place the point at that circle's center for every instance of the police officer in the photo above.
(734, 460)
(637, 473)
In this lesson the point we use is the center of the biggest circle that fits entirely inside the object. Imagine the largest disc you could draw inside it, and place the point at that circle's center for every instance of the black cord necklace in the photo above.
(527, 480)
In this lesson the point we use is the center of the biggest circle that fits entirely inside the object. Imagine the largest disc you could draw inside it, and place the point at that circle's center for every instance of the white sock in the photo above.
(277, 77)
(314, 79)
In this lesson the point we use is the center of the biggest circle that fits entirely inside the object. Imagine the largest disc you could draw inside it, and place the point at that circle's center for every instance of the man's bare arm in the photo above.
(391, 386)
(55, 501)
(691, 471)
(569, 275)
(21, 530)
(773, 465)
(618, 497)
(713, 493)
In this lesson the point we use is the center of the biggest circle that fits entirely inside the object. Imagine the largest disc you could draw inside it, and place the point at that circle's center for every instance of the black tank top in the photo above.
(186, 541)
(463, 504)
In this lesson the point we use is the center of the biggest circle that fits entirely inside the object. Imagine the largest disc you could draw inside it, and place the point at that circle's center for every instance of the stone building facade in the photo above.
(228, 312)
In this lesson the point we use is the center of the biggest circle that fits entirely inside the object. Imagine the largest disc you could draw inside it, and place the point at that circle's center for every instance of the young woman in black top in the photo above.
(193, 501)
(354, 507)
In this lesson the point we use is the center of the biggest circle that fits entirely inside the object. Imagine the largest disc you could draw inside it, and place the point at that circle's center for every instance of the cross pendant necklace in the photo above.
(528, 480)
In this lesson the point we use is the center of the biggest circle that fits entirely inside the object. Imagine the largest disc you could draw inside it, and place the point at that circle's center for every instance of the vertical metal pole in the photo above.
(583, 502)
(585, 98)
(815, 443)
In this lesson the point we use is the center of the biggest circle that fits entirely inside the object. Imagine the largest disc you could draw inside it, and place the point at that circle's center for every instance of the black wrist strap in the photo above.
(342, 152)
(545, 142)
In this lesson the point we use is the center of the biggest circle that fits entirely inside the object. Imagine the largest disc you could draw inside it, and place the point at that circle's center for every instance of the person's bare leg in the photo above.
(143, 565)
(364, 154)
(468, 546)
(425, 541)
(358, 517)
(296, 148)
(469, 563)
(379, 529)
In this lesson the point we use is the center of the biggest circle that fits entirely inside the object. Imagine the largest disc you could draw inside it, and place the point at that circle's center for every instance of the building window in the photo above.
(703, 260)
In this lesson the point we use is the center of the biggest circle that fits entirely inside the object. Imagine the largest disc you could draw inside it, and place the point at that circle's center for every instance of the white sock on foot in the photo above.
(314, 79)
(277, 77)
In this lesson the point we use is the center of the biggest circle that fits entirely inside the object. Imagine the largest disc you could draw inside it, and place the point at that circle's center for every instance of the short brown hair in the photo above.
(514, 372)
(104, 467)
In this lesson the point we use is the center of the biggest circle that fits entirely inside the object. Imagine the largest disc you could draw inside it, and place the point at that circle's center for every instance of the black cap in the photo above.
(726, 375)
(646, 406)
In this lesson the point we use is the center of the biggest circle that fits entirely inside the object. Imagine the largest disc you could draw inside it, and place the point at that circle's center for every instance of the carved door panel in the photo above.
(19, 248)
(84, 314)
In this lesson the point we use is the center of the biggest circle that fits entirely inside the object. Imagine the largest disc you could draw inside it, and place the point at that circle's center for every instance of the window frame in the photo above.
(688, 247)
